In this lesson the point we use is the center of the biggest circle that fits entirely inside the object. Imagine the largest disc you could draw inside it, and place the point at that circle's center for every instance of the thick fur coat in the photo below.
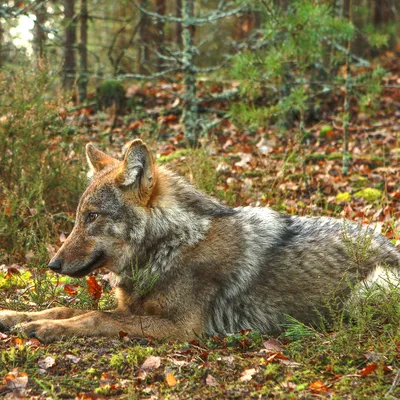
(209, 268)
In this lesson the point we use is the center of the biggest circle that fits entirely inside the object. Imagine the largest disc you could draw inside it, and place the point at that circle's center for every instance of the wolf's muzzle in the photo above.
(55, 265)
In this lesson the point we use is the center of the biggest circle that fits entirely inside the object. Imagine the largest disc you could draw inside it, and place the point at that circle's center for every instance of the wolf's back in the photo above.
(291, 265)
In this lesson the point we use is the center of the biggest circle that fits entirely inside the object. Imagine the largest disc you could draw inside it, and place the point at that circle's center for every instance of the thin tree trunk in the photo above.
(142, 58)
(190, 106)
(83, 63)
(178, 24)
(39, 34)
(160, 9)
(2, 51)
(69, 69)
(346, 106)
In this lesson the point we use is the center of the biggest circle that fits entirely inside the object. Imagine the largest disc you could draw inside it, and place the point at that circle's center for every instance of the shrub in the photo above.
(39, 177)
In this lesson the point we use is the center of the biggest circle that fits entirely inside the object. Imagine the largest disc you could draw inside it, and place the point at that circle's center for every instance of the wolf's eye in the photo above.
(92, 217)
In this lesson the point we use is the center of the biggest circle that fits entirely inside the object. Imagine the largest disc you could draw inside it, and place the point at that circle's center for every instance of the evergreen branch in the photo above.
(339, 47)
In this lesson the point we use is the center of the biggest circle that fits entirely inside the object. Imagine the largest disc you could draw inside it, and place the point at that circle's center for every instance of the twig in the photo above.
(394, 383)
(149, 77)
(195, 21)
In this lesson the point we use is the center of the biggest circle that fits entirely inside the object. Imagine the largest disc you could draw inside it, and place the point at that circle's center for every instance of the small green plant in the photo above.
(369, 194)
(111, 93)
(358, 245)
(296, 330)
(143, 279)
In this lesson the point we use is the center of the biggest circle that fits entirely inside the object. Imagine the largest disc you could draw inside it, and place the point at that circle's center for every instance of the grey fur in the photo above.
(285, 265)
(215, 269)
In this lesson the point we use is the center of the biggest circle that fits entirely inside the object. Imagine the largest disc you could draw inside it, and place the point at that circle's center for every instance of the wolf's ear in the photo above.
(138, 169)
(97, 160)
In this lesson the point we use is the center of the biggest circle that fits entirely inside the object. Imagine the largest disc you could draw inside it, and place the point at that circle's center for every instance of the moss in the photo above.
(369, 194)
(176, 155)
(316, 157)
(343, 197)
(111, 92)
(336, 156)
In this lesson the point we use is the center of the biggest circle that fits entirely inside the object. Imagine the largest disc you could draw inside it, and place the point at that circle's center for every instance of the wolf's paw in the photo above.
(9, 318)
(46, 331)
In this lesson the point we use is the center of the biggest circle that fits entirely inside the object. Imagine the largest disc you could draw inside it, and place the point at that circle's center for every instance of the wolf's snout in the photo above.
(55, 265)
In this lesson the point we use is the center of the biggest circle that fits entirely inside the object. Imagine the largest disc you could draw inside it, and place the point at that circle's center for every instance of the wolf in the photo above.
(214, 269)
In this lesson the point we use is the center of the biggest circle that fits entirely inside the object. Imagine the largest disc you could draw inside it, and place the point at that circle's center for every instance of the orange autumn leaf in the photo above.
(70, 289)
(170, 379)
(94, 288)
(369, 369)
(318, 386)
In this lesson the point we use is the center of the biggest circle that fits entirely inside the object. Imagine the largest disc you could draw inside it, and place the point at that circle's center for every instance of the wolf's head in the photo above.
(112, 213)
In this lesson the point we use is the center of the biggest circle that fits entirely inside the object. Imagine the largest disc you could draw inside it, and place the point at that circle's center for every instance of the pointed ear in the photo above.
(138, 169)
(97, 160)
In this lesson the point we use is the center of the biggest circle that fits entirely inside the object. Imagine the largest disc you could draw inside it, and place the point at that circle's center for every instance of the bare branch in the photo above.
(190, 22)
(149, 77)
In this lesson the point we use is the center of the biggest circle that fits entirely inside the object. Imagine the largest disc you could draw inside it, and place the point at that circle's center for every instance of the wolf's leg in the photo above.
(9, 318)
(98, 323)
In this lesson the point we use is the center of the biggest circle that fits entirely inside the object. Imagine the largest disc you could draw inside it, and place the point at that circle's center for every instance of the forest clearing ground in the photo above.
(242, 167)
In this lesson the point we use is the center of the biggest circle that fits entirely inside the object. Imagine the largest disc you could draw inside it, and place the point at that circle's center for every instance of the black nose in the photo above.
(55, 265)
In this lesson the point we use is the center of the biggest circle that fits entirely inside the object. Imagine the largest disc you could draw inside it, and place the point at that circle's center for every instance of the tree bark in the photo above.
(190, 106)
(2, 51)
(69, 69)
(142, 58)
(160, 9)
(178, 24)
(83, 63)
(39, 34)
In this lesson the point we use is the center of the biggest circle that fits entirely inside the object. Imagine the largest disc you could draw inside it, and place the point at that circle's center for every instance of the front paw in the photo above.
(46, 331)
(9, 318)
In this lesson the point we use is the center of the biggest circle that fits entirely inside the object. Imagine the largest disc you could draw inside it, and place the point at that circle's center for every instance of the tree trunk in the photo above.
(244, 24)
(190, 106)
(178, 24)
(83, 64)
(69, 69)
(382, 13)
(2, 50)
(142, 58)
(39, 34)
(160, 9)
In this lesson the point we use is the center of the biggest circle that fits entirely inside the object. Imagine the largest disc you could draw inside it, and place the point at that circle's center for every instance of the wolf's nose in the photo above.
(55, 265)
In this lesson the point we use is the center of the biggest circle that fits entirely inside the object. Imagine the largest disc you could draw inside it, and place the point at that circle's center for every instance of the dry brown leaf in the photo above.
(211, 381)
(247, 375)
(151, 362)
(47, 363)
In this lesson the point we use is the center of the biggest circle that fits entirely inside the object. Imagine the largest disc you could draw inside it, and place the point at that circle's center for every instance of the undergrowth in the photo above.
(40, 179)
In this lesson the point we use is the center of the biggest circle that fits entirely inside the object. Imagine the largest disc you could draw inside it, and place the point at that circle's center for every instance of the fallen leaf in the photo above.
(16, 381)
(179, 363)
(273, 345)
(318, 386)
(211, 381)
(94, 288)
(47, 363)
(170, 379)
(247, 375)
(73, 358)
(151, 362)
(71, 289)
(369, 369)
(245, 159)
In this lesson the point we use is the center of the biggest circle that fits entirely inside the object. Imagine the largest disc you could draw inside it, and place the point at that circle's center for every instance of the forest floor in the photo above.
(261, 167)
